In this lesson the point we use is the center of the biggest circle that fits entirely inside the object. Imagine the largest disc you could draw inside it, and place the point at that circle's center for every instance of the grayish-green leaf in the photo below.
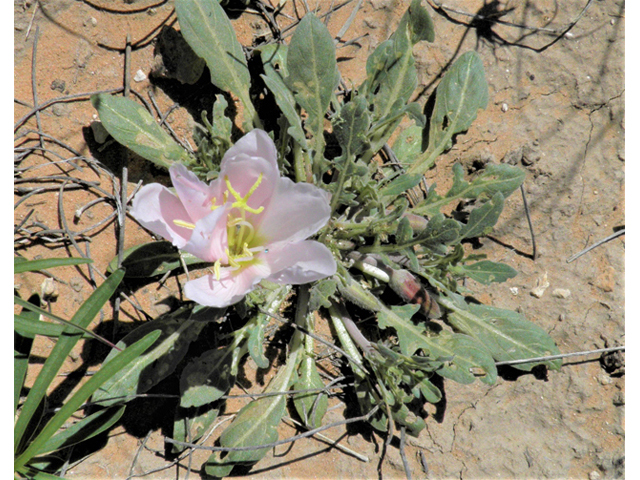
(350, 127)
(190, 426)
(505, 333)
(321, 292)
(495, 178)
(255, 425)
(206, 27)
(21, 265)
(486, 272)
(177, 333)
(469, 358)
(132, 126)
(311, 406)
(482, 219)
(461, 93)
(312, 74)
(399, 185)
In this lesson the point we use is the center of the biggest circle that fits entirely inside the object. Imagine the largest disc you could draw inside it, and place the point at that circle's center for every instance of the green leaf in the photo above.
(399, 185)
(321, 292)
(85, 429)
(21, 265)
(27, 325)
(505, 333)
(191, 424)
(468, 357)
(273, 58)
(312, 74)
(207, 29)
(408, 146)
(208, 377)
(483, 218)
(461, 93)
(312, 406)
(107, 371)
(23, 341)
(495, 178)
(176, 332)
(151, 259)
(85, 314)
(350, 127)
(132, 126)
(486, 272)
(255, 425)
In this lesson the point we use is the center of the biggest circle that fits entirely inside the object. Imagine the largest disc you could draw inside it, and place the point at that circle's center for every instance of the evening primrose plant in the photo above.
(309, 205)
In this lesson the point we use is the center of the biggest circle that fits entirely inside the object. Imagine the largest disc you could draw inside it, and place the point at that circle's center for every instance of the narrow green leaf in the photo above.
(505, 333)
(23, 341)
(28, 325)
(486, 272)
(85, 429)
(207, 29)
(21, 265)
(85, 314)
(399, 185)
(132, 126)
(312, 74)
(176, 332)
(107, 371)
(461, 93)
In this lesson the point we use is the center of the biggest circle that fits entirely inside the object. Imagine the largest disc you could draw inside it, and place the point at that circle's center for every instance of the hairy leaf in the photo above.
(311, 406)
(505, 333)
(486, 272)
(495, 178)
(468, 357)
(176, 334)
(132, 126)
(255, 425)
(461, 93)
(483, 218)
(312, 74)
(208, 31)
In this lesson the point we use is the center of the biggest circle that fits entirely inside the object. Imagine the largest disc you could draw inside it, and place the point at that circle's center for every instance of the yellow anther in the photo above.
(216, 269)
(182, 223)
(241, 202)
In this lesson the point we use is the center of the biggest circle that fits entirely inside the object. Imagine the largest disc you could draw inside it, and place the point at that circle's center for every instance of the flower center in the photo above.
(242, 242)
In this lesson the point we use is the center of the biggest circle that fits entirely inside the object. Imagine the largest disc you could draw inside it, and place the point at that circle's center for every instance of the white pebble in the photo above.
(513, 290)
(504, 107)
(140, 76)
(561, 293)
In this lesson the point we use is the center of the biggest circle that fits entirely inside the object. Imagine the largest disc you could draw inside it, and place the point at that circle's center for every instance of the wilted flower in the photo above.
(250, 222)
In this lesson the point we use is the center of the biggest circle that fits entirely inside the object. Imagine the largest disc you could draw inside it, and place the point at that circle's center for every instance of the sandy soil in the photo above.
(556, 109)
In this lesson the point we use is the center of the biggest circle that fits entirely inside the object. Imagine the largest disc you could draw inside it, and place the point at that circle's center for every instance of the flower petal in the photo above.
(300, 263)
(156, 208)
(194, 194)
(209, 239)
(296, 211)
(257, 144)
(230, 289)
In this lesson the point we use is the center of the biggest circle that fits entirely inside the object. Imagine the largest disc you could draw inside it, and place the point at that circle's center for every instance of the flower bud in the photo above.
(409, 288)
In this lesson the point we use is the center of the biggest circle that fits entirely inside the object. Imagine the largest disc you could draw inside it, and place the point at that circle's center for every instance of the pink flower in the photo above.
(250, 222)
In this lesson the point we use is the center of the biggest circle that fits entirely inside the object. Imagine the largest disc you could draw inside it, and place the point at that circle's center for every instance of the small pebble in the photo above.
(49, 290)
(594, 475)
(541, 285)
(140, 76)
(504, 107)
(561, 293)
(513, 290)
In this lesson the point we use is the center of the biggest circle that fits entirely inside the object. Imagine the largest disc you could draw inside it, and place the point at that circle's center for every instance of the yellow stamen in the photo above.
(216, 269)
(182, 223)
(241, 202)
